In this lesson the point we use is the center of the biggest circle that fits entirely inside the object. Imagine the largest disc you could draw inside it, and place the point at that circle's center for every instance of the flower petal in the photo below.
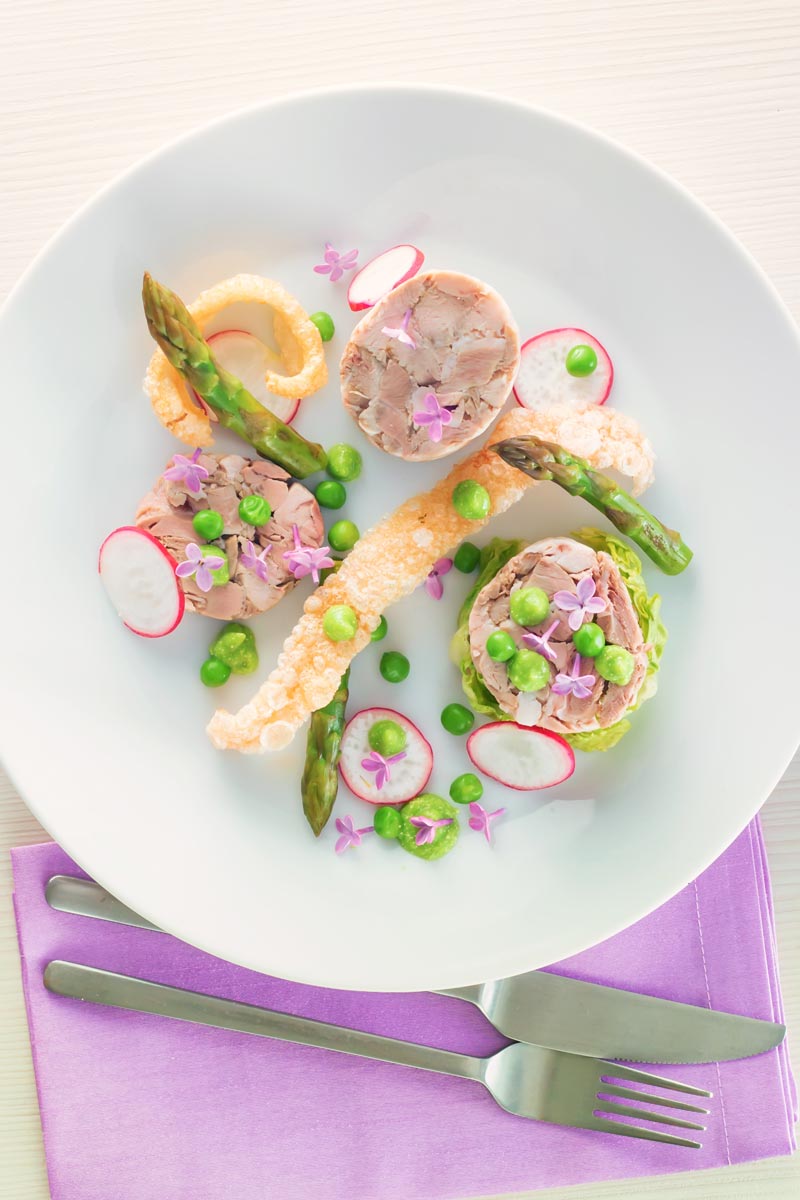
(336, 273)
(433, 586)
(586, 588)
(566, 601)
(185, 569)
(575, 619)
(322, 269)
(203, 578)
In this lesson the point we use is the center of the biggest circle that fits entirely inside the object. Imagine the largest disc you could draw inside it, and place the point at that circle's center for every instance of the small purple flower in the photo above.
(307, 560)
(427, 828)
(255, 562)
(376, 763)
(350, 835)
(585, 603)
(200, 565)
(401, 334)
(434, 415)
(335, 264)
(580, 686)
(541, 641)
(189, 472)
(433, 584)
(481, 821)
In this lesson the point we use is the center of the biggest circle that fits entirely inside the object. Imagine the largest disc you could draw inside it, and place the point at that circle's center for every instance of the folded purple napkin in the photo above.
(167, 1109)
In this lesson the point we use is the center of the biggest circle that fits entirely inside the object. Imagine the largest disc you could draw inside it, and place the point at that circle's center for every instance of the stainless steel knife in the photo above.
(542, 1008)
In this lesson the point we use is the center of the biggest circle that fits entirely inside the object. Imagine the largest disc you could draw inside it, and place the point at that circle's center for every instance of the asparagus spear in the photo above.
(543, 460)
(178, 335)
(320, 774)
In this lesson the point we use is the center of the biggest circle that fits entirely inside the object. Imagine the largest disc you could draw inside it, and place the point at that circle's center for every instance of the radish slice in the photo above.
(543, 379)
(381, 274)
(139, 576)
(249, 359)
(520, 757)
(407, 777)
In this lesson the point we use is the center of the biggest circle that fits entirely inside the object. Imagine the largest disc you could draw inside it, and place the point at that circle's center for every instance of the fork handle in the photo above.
(139, 995)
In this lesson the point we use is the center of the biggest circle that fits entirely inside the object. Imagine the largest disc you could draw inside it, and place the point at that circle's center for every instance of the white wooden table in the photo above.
(709, 90)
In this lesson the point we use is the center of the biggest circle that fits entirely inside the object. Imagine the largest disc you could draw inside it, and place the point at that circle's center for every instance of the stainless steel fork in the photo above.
(528, 1081)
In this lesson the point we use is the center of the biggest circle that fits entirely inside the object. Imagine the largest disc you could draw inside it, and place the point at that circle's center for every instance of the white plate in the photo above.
(103, 731)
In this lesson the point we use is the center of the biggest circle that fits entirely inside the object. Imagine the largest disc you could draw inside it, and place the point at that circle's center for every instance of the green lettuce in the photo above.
(494, 556)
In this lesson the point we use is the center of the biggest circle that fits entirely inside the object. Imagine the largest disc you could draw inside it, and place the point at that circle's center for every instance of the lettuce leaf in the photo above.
(494, 556)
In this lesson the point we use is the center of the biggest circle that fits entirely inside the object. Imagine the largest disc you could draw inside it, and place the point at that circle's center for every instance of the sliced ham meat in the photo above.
(167, 511)
(465, 350)
(558, 564)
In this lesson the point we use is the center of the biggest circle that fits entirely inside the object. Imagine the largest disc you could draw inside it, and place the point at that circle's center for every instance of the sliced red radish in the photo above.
(520, 757)
(139, 576)
(543, 379)
(403, 777)
(249, 359)
(381, 274)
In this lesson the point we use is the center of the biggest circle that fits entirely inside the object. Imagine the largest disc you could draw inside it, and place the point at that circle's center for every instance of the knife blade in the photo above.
(539, 1007)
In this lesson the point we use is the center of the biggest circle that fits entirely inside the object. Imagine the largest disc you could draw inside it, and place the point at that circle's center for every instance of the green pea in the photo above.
(466, 789)
(387, 822)
(380, 631)
(386, 737)
(581, 361)
(254, 510)
(340, 623)
(589, 640)
(615, 664)
(471, 500)
(394, 666)
(221, 575)
(343, 535)
(444, 838)
(330, 493)
(529, 605)
(500, 646)
(466, 557)
(457, 719)
(528, 671)
(208, 524)
(344, 462)
(214, 673)
(324, 323)
(236, 647)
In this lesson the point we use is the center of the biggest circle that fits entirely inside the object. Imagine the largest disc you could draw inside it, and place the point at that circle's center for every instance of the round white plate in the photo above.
(103, 732)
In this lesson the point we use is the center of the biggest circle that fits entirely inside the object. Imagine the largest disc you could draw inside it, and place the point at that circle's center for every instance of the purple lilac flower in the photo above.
(433, 584)
(255, 561)
(427, 828)
(480, 820)
(580, 686)
(401, 333)
(584, 603)
(307, 560)
(380, 766)
(350, 835)
(433, 415)
(541, 641)
(200, 565)
(335, 264)
(189, 472)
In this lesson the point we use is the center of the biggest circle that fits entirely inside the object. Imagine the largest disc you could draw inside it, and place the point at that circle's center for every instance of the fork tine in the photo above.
(611, 1089)
(628, 1110)
(649, 1135)
(616, 1072)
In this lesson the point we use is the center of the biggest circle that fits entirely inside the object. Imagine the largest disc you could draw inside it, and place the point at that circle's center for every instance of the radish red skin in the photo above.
(581, 336)
(406, 723)
(417, 259)
(569, 754)
(181, 599)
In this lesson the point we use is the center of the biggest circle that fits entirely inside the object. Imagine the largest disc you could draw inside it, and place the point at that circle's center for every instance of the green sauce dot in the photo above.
(528, 671)
(457, 719)
(344, 462)
(340, 623)
(615, 664)
(386, 737)
(466, 557)
(394, 666)
(466, 789)
(471, 500)
(529, 605)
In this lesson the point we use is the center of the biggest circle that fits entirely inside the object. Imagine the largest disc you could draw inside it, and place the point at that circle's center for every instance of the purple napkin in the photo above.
(167, 1109)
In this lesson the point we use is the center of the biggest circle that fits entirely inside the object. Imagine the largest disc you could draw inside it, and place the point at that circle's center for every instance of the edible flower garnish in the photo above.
(541, 641)
(307, 560)
(188, 471)
(434, 415)
(481, 821)
(427, 828)
(350, 835)
(380, 766)
(580, 686)
(401, 334)
(200, 565)
(255, 562)
(585, 603)
(335, 264)
(433, 584)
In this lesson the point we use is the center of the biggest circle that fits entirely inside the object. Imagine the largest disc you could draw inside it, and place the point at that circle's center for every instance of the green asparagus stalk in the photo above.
(320, 773)
(545, 461)
(178, 335)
